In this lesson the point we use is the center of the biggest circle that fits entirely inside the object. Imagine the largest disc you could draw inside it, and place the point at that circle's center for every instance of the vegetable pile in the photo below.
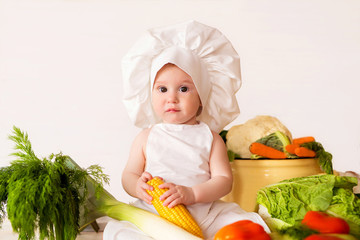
(53, 198)
(265, 137)
(288, 205)
(278, 146)
(312, 208)
(239, 137)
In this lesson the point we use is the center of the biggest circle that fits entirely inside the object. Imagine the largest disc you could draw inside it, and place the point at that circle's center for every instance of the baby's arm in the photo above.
(221, 178)
(219, 185)
(133, 177)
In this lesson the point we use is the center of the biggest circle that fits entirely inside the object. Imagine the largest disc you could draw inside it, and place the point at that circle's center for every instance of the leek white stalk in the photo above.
(106, 205)
(151, 224)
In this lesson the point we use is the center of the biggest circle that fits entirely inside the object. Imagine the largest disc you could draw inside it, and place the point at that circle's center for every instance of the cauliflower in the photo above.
(239, 137)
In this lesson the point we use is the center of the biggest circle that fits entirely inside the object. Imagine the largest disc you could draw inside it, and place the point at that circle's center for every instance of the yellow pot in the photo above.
(251, 175)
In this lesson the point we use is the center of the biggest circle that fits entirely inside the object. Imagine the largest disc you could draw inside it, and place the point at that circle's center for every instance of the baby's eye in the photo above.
(183, 89)
(163, 89)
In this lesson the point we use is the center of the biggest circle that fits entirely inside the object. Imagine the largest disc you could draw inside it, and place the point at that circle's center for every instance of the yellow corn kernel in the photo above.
(178, 215)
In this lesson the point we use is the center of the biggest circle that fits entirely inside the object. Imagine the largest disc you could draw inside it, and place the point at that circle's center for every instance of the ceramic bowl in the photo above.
(251, 175)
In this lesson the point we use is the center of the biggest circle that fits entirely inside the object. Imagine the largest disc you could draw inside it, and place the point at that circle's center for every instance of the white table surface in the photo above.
(88, 233)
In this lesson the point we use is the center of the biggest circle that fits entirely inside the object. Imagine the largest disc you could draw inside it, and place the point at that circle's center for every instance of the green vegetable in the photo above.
(43, 194)
(232, 156)
(223, 135)
(351, 209)
(55, 199)
(288, 201)
(325, 158)
(276, 140)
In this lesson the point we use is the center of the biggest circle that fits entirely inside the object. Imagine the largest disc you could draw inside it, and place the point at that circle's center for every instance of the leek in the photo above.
(106, 205)
(151, 224)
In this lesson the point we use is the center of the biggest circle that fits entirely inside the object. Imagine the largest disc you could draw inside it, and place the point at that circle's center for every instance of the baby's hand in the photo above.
(177, 194)
(142, 186)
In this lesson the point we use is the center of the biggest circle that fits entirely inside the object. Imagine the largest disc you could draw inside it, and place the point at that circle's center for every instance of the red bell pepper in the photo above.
(242, 230)
(325, 223)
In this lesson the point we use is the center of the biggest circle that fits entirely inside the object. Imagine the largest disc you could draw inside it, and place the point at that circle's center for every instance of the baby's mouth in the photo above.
(171, 110)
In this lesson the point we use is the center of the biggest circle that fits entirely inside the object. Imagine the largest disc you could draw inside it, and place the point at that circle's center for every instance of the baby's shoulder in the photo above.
(144, 133)
(217, 138)
(142, 136)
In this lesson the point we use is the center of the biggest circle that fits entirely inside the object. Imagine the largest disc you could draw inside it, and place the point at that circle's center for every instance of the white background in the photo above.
(60, 77)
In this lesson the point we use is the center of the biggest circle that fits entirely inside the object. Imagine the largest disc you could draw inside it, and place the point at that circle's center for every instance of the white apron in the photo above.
(180, 155)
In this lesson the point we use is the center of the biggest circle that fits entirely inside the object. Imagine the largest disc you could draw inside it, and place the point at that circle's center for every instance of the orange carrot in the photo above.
(304, 152)
(291, 148)
(303, 140)
(266, 151)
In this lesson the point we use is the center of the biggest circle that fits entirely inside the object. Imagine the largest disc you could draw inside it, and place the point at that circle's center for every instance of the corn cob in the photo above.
(178, 215)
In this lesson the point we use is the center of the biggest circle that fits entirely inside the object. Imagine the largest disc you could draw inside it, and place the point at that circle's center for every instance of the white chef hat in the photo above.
(202, 52)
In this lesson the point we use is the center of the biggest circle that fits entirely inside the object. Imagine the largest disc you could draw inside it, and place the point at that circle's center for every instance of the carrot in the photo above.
(304, 152)
(303, 140)
(290, 148)
(266, 151)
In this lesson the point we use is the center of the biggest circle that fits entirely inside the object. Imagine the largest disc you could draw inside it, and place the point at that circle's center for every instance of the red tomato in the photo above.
(242, 230)
(325, 223)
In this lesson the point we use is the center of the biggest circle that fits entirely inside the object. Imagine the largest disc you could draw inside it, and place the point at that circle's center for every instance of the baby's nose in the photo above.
(172, 98)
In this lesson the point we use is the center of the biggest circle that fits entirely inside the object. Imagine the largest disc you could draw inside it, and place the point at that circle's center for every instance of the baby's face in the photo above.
(174, 96)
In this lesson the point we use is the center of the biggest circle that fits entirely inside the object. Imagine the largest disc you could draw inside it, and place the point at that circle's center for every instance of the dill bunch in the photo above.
(44, 195)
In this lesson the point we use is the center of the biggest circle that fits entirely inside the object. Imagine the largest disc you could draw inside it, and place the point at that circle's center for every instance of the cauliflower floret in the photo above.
(239, 137)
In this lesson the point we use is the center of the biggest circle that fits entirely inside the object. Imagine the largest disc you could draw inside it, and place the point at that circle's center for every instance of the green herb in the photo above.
(43, 194)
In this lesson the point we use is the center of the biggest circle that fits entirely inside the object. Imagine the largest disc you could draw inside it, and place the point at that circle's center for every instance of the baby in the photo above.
(180, 85)
(176, 101)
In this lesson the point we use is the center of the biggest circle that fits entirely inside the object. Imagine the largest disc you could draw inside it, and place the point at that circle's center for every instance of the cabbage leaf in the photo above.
(277, 140)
